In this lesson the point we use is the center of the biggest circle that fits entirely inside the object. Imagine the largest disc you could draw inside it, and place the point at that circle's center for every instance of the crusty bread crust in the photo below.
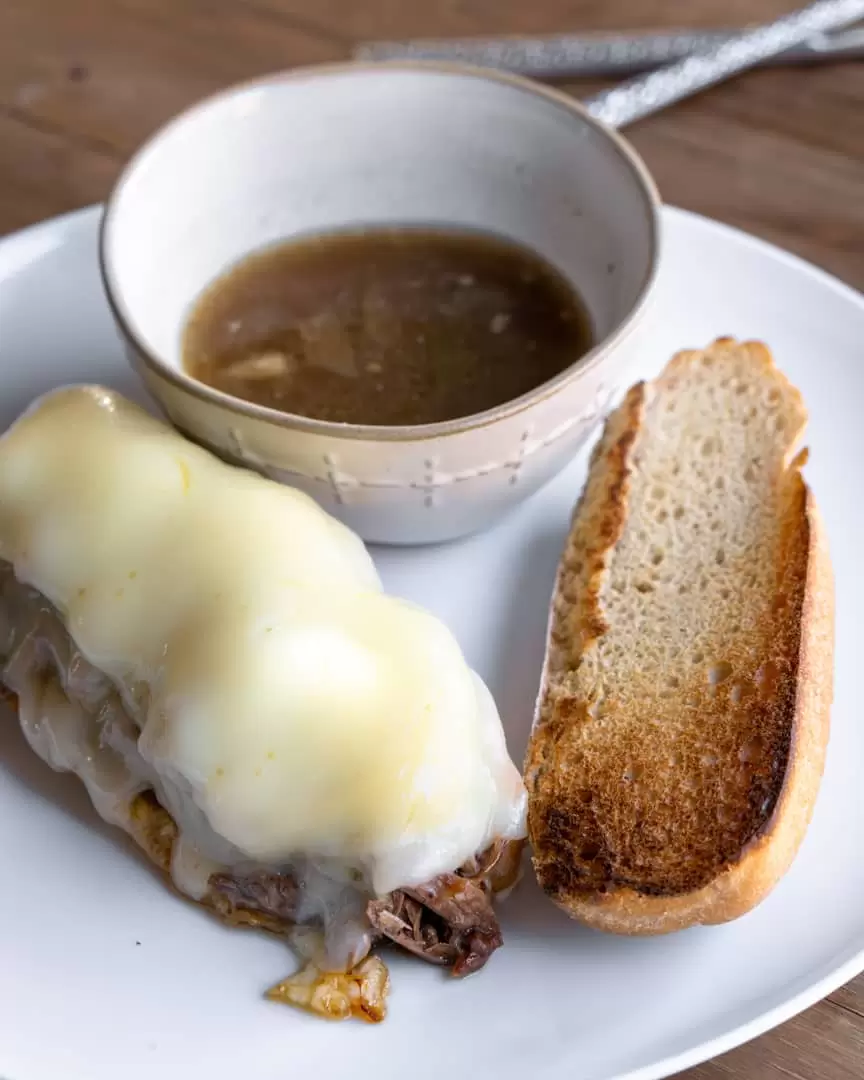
(597, 894)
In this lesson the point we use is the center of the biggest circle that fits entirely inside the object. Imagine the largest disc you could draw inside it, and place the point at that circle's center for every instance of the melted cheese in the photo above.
(284, 707)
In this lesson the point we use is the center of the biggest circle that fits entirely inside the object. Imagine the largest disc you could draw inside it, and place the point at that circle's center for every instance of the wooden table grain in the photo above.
(777, 152)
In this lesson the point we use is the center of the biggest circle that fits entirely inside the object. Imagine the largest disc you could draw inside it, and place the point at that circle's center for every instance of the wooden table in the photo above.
(779, 152)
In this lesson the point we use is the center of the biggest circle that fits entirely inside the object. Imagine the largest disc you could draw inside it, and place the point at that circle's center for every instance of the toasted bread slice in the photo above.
(683, 718)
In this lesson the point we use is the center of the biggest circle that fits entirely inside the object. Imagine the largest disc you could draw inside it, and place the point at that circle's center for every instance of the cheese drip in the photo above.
(281, 704)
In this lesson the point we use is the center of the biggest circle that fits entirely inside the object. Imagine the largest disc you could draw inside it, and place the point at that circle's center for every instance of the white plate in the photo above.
(103, 970)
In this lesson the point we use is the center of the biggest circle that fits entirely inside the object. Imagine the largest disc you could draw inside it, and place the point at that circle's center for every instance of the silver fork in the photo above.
(712, 60)
(601, 54)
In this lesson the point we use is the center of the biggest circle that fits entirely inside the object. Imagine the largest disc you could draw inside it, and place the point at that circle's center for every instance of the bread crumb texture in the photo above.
(666, 723)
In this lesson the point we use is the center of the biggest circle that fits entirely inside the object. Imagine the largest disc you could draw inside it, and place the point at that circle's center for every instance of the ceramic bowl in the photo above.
(322, 149)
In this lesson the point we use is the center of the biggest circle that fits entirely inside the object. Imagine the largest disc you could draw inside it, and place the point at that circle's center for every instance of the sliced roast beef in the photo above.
(447, 921)
(265, 891)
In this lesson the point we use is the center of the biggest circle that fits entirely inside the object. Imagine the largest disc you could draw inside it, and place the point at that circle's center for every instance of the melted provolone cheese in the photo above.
(284, 707)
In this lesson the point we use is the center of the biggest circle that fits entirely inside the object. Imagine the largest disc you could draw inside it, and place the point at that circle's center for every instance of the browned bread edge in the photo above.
(744, 883)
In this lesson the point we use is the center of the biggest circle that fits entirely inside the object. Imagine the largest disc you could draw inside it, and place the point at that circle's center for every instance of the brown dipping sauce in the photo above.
(386, 326)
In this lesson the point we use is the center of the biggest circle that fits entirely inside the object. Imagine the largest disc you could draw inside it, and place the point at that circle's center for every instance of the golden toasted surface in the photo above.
(670, 723)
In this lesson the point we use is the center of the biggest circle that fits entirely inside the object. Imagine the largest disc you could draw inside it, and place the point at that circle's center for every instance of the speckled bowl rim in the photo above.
(379, 432)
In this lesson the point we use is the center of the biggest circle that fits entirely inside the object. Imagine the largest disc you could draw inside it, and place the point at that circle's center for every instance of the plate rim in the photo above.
(782, 1012)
